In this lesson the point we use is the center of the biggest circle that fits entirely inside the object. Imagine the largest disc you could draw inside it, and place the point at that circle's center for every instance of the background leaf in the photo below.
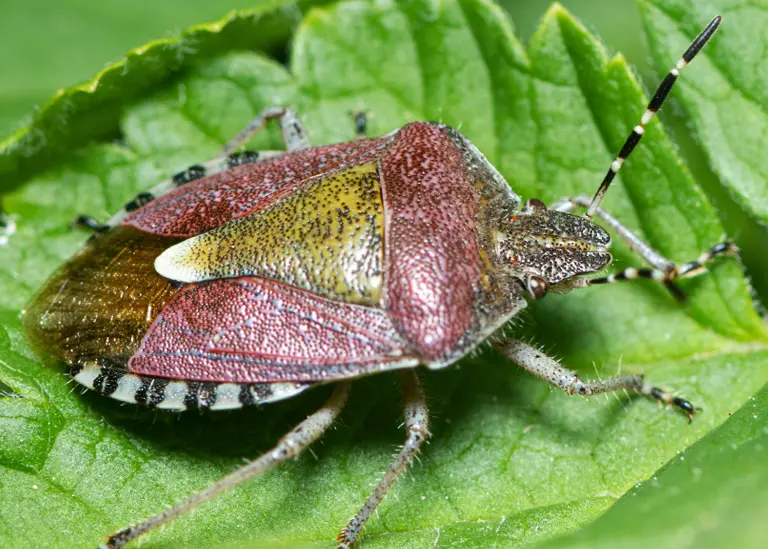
(728, 104)
(690, 502)
(512, 461)
(726, 112)
(91, 110)
(45, 45)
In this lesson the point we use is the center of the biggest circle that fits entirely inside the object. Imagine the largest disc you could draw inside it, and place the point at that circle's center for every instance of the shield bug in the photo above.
(256, 276)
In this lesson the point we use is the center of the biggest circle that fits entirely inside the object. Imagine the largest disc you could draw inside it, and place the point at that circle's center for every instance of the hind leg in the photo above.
(287, 448)
(295, 136)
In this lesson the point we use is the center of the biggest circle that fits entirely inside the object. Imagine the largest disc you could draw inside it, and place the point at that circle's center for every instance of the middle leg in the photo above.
(417, 427)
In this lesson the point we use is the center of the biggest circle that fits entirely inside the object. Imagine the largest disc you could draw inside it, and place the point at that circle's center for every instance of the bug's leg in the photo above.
(88, 222)
(662, 269)
(295, 135)
(673, 271)
(547, 368)
(287, 447)
(417, 427)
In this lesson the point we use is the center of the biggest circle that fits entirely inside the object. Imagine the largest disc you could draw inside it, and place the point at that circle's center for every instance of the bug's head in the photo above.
(543, 247)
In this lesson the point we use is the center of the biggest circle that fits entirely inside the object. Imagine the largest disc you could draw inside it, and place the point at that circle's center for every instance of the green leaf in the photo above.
(46, 44)
(728, 102)
(91, 110)
(512, 461)
(711, 496)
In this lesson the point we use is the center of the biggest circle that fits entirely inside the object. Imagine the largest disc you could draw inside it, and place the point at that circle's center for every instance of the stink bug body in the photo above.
(256, 276)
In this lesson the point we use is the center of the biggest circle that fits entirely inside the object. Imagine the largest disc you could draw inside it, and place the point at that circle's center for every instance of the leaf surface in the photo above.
(512, 461)
(728, 102)
(89, 111)
(710, 496)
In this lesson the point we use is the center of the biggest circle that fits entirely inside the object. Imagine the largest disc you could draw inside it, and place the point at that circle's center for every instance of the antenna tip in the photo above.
(702, 39)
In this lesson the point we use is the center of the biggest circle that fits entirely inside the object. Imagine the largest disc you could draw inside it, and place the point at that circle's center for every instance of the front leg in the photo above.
(662, 269)
(547, 368)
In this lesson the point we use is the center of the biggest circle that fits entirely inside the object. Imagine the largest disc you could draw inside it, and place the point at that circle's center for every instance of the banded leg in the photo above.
(417, 427)
(89, 222)
(539, 364)
(295, 135)
(288, 447)
(663, 270)
(653, 106)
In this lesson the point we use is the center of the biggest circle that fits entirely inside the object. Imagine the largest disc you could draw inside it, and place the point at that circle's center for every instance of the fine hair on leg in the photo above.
(295, 136)
(417, 429)
(539, 364)
(288, 447)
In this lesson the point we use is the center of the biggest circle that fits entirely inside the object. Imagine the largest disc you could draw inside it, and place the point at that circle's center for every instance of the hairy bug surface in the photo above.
(253, 277)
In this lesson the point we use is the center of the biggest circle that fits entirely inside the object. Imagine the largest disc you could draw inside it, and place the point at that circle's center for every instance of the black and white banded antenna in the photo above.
(653, 106)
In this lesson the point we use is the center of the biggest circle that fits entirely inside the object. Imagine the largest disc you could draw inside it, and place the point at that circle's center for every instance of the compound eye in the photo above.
(535, 205)
(537, 286)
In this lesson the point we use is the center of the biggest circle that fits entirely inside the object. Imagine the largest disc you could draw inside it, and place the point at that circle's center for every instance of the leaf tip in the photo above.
(555, 11)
